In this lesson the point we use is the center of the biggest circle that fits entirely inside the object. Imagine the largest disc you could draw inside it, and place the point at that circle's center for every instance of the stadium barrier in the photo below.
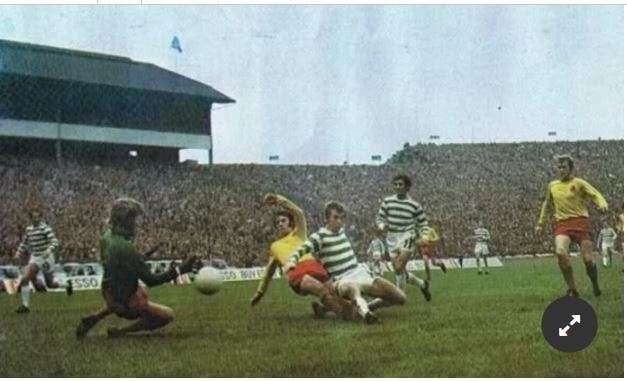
(450, 263)
(92, 282)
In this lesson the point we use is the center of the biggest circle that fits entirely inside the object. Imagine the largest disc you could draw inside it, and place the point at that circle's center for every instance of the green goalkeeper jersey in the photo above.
(124, 267)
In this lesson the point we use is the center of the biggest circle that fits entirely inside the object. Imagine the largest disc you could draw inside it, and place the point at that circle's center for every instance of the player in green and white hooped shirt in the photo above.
(41, 245)
(402, 218)
(481, 236)
(605, 243)
(333, 249)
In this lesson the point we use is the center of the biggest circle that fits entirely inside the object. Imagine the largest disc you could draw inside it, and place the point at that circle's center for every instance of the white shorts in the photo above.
(607, 248)
(396, 242)
(481, 249)
(360, 275)
(44, 264)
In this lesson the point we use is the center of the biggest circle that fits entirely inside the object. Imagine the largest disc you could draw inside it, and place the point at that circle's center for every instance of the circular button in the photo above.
(569, 324)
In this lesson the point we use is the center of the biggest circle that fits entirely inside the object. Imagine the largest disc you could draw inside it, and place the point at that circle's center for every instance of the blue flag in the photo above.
(176, 44)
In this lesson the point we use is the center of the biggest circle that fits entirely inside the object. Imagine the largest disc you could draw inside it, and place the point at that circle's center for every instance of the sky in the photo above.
(325, 84)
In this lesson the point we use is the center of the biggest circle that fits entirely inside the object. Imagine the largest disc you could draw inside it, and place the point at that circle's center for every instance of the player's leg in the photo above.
(88, 322)
(151, 315)
(425, 259)
(562, 243)
(485, 261)
(411, 278)
(478, 259)
(398, 264)
(385, 293)
(109, 307)
(154, 316)
(39, 284)
(30, 275)
(587, 254)
(49, 279)
(604, 255)
(328, 297)
(610, 254)
(350, 290)
(438, 262)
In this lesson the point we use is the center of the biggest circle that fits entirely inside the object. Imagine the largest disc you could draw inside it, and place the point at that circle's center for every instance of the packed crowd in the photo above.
(217, 211)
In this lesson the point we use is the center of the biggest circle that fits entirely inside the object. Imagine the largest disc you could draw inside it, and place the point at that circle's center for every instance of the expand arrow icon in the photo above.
(563, 331)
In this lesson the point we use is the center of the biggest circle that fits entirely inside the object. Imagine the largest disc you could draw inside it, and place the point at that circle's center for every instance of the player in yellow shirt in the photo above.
(308, 277)
(568, 195)
(428, 248)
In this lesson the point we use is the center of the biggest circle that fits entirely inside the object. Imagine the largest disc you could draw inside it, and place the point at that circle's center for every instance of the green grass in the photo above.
(475, 326)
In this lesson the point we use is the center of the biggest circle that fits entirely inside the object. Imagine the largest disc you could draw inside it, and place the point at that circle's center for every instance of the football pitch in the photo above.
(475, 326)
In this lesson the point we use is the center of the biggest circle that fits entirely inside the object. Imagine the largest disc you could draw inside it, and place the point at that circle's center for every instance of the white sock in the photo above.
(375, 303)
(362, 305)
(605, 260)
(25, 294)
(401, 279)
(412, 279)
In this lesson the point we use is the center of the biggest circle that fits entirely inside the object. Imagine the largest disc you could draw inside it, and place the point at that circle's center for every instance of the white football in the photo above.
(208, 280)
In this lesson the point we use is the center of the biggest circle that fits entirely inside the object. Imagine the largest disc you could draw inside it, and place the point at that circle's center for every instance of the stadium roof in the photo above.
(32, 60)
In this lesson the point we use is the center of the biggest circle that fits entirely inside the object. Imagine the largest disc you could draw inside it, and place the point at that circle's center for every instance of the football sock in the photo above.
(567, 272)
(25, 294)
(591, 270)
(375, 304)
(401, 279)
(362, 306)
(412, 279)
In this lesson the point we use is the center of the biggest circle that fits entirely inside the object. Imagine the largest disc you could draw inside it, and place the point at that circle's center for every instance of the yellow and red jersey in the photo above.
(283, 248)
(428, 236)
(569, 199)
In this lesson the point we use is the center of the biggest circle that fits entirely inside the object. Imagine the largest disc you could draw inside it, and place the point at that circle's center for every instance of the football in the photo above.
(208, 280)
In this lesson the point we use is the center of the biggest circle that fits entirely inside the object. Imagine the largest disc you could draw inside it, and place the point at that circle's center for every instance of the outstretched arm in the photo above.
(264, 282)
(300, 222)
(595, 196)
(544, 211)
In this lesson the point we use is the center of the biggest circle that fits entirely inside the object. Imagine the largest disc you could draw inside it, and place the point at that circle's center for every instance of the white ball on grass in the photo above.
(208, 280)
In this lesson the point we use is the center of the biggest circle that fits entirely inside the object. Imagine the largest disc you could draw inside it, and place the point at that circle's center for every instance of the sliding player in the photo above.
(309, 277)
(124, 267)
(333, 249)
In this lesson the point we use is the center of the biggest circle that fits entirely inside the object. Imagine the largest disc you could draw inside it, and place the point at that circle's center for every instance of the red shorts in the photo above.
(310, 267)
(133, 307)
(577, 228)
(428, 250)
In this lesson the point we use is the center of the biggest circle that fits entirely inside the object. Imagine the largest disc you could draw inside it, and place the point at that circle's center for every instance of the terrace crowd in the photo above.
(217, 211)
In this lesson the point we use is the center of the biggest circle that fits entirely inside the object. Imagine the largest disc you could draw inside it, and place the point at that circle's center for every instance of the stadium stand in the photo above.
(216, 211)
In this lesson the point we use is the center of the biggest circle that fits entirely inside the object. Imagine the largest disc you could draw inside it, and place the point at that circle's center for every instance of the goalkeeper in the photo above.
(124, 267)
